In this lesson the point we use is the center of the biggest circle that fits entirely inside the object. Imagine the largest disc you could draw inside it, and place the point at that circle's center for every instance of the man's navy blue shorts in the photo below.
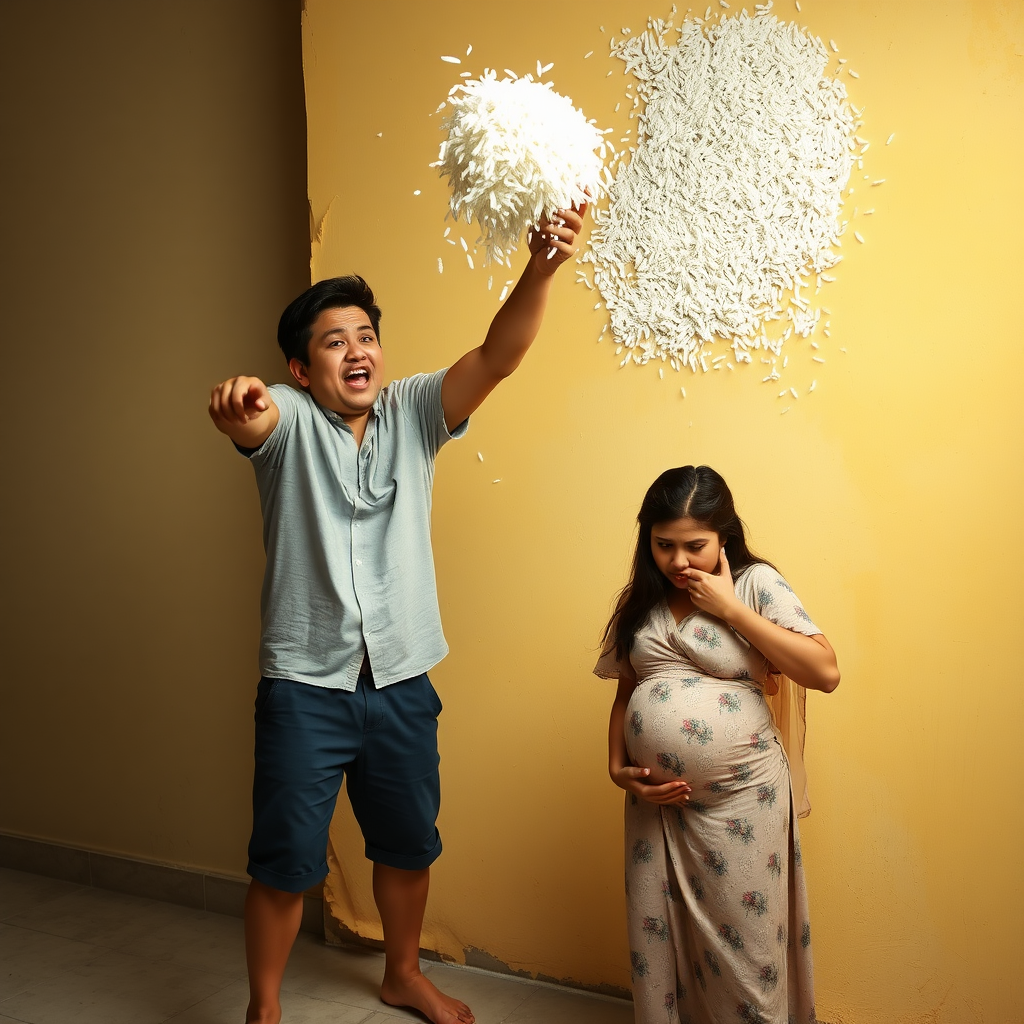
(309, 737)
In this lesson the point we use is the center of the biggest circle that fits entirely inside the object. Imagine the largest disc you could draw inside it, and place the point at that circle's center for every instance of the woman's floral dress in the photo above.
(717, 908)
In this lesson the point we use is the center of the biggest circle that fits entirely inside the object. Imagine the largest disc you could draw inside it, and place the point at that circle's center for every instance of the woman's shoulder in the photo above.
(761, 581)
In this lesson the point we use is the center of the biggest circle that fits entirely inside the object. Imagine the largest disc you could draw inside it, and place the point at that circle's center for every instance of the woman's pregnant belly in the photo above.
(716, 734)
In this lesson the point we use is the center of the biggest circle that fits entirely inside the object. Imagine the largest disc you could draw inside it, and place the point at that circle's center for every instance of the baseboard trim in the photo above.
(170, 883)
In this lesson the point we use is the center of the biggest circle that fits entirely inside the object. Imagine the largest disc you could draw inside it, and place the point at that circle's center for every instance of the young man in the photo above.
(349, 609)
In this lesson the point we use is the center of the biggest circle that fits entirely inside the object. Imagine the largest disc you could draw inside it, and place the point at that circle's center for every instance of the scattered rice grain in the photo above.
(678, 260)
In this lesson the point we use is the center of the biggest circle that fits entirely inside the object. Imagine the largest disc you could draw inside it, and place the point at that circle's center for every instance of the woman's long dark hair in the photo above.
(693, 492)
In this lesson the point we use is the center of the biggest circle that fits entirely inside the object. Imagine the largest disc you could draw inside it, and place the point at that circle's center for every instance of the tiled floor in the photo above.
(71, 954)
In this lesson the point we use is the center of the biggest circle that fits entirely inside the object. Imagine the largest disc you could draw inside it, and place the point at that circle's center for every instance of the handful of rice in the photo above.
(516, 151)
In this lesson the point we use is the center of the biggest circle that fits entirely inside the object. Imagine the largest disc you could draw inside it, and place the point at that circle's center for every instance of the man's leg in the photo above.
(272, 920)
(304, 737)
(401, 898)
(395, 792)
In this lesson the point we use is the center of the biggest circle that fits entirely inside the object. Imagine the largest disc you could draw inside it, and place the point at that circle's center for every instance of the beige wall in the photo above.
(154, 224)
(891, 497)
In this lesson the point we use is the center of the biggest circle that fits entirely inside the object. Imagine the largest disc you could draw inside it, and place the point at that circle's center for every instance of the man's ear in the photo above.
(299, 371)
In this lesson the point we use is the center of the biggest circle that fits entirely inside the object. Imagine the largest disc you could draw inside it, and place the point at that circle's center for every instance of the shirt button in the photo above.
(359, 561)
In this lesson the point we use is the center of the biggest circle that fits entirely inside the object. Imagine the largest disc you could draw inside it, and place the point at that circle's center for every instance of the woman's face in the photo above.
(684, 544)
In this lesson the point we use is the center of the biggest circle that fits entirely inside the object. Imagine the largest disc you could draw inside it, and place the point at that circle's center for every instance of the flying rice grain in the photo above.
(891, 137)
(695, 272)
(440, 265)
(452, 60)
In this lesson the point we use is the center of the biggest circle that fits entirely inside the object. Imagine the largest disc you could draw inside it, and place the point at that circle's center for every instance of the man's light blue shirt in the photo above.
(347, 534)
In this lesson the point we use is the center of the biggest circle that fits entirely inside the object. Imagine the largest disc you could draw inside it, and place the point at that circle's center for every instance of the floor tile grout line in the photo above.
(57, 935)
(185, 1009)
(63, 972)
(43, 902)
(231, 978)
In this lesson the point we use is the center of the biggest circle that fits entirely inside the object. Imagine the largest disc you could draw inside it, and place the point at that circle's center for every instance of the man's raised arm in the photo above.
(516, 323)
(242, 408)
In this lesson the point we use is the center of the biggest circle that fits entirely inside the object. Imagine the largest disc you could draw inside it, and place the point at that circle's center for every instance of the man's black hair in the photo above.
(296, 325)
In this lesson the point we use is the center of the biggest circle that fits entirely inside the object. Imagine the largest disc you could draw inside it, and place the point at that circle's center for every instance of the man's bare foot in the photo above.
(422, 994)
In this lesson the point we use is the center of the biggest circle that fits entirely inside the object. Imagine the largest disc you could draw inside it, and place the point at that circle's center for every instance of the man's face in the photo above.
(346, 365)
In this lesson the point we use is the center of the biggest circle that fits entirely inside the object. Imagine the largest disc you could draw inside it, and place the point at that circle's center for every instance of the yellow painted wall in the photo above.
(891, 497)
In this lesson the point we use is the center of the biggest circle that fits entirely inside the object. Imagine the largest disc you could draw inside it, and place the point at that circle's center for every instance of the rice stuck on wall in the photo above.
(516, 151)
(727, 208)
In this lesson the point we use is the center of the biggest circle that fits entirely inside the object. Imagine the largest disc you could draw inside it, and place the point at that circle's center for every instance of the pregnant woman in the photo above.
(704, 638)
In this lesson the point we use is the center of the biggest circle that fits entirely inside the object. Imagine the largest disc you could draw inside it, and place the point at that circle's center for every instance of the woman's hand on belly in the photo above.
(633, 780)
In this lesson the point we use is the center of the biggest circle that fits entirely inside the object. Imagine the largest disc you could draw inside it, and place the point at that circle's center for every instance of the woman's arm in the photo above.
(807, 660)
(623, 772)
